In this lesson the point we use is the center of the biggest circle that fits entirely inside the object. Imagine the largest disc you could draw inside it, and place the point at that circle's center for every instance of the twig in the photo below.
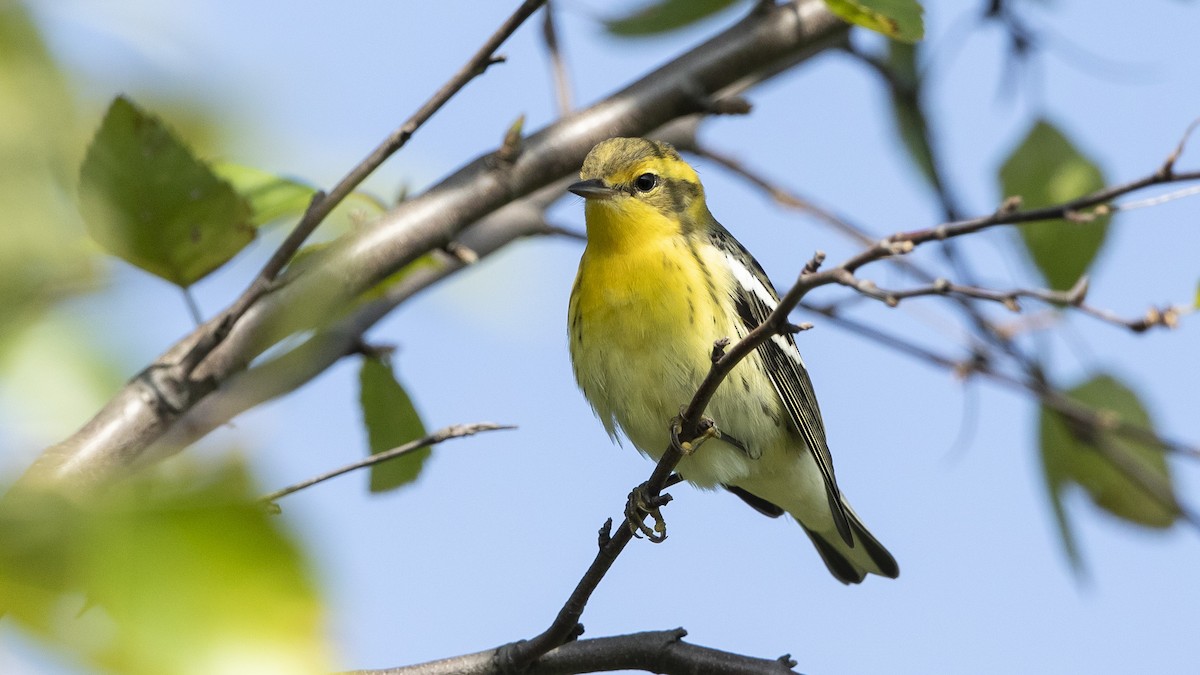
(562, 83)
(657, 652)
(323, 204)
(985, 329)
(443, 434)
(782, 195)
(1169, 165)
(980, 365)
(1156, 200)
(904, 242)
(1167, 317)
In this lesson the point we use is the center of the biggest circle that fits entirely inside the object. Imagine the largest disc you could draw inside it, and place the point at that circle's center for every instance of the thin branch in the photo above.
(657, 652)
(562, 82)
(322, 204)
(1169, 165)
(783, 196)
(443, 434)
(902, 243)
(1156, 200)
(1166, 317)
(984, 328)
(980, 365)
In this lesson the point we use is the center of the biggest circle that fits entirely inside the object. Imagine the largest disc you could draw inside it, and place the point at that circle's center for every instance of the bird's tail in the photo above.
(850, 565)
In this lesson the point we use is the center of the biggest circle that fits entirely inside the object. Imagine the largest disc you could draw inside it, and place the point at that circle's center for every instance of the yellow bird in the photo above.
(659, 282)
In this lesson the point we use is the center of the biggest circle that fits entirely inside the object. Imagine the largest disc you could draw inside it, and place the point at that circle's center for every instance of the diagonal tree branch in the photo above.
(116, 439)
(289, 371)
(565, 626)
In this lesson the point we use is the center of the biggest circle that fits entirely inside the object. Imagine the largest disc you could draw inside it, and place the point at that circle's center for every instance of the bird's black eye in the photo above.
(645, 182)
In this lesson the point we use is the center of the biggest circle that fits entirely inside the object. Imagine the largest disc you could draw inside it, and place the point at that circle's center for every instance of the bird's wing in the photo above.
(755, 299)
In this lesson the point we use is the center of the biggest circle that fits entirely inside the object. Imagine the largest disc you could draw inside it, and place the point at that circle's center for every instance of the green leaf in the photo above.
(665, 15)
(391, 420)
(63, 372)
(1198, 296)
(146, 199)
(270, 197)
(162, 575)
(907, 109)
(1047, 169)
(1101, 461)
(273, 198)
(42, 257)
(898, 19)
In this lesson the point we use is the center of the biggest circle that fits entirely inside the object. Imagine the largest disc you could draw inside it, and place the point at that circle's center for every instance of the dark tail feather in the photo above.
(844, 569)
(880, 555)
(838, 565)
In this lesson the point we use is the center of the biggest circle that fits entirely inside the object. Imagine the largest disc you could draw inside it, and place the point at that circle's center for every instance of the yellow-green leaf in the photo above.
(898, 19)
(270, 197)
(1101, 462)
(391, 420)
(1046, 169)
(665, 15)
(42, 257)
(274, 198)
(182, 575)
(148, 200)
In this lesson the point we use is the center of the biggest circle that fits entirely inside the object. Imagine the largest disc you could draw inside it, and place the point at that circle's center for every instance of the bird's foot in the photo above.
(708, 429)
(642, 504)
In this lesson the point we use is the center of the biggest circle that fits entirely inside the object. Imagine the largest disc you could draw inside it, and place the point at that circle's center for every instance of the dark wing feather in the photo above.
(786, 371)
(757, 503)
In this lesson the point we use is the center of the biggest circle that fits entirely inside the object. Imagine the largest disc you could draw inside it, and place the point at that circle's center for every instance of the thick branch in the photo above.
(655, 652)
(291, 370)
(117, 437)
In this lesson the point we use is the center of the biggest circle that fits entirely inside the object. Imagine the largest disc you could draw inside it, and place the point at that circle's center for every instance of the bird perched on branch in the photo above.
(659, 282)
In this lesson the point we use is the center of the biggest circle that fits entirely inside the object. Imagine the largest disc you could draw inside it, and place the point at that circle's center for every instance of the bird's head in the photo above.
(638, 188)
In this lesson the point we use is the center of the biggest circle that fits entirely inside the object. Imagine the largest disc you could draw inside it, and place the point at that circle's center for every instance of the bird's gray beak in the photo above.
(592, 189)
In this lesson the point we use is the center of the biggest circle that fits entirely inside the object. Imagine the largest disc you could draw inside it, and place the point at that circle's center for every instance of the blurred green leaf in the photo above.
(187, 574)
(146, 199)
(1047, 169)
(273, 198)
(898, 19)
(1198, 296)
(44, 256)
(270, 197)
(665, 15)
(907, 110)
(55, 375)
(391, 420)
(1100, 461)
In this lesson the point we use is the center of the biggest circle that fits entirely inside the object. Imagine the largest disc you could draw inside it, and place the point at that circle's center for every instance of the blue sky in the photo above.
(484, 549)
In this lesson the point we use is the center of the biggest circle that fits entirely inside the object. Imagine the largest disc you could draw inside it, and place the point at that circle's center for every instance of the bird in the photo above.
(659, 281)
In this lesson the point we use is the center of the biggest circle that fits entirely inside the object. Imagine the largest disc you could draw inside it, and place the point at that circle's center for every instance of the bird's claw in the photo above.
(708, 429)
(642, 504)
